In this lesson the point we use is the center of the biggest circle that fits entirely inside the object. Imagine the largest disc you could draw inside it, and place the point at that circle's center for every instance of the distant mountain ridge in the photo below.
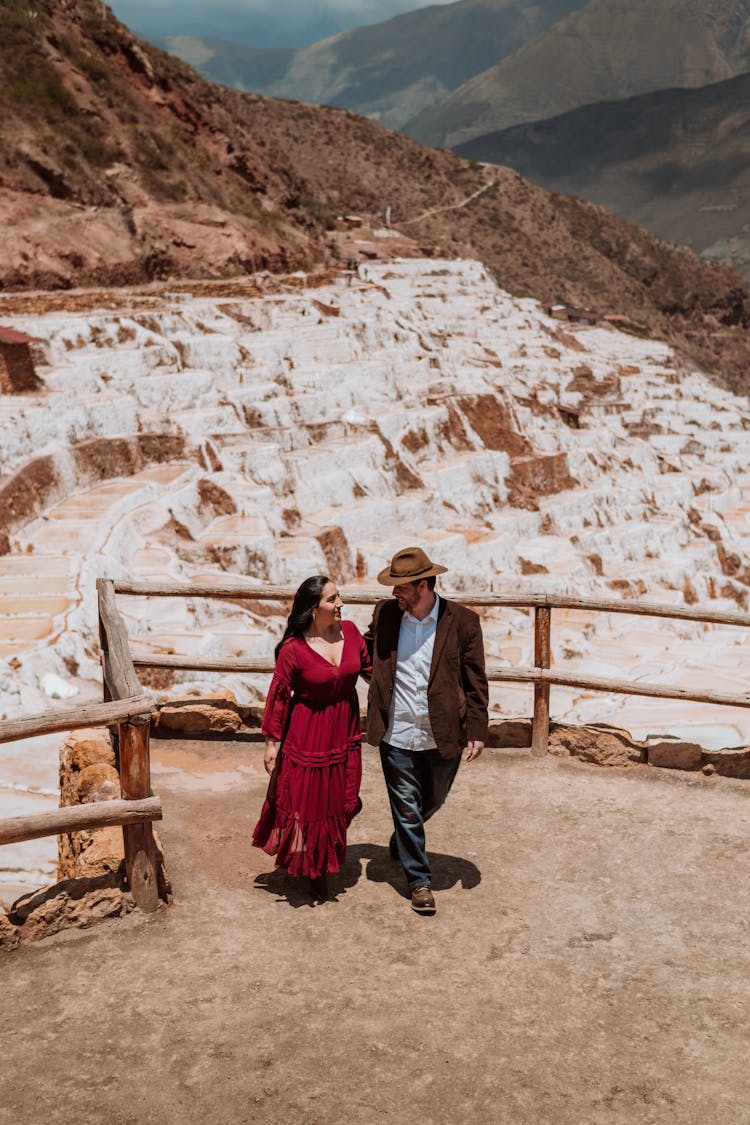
(232, 64)
(291, 24)
(607, 49)
(677, 162)
(388, 71)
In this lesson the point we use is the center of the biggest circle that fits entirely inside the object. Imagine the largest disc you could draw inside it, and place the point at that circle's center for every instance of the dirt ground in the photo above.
(588, 962)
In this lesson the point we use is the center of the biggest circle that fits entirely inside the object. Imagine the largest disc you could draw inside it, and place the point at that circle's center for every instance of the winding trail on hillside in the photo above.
(450, 206)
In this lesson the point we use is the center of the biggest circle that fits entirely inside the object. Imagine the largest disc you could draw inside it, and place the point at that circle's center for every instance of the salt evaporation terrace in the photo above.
(321, 428)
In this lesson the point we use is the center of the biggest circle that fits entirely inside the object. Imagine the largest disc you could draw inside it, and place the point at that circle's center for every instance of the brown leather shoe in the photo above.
(422, 900)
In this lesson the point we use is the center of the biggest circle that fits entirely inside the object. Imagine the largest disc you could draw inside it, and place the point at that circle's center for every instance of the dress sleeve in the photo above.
(352, 802)
(369, 637)
(365, 659)
(279, 699)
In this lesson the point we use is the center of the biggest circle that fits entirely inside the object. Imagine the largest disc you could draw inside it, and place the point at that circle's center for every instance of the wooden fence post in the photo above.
(542, 651)
(103, 648)
(135, 782)
(119, 673)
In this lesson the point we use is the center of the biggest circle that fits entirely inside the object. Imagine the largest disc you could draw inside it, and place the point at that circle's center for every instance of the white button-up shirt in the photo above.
(408, 717)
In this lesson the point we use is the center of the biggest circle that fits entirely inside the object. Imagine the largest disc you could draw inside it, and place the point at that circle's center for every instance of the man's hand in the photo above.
(269, 758)
(473, 750)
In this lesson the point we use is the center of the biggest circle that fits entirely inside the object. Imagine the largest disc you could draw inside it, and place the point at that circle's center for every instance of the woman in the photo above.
(313, 712)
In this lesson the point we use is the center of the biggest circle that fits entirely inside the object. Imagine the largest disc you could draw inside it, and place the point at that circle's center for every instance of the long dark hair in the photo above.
(305, 601)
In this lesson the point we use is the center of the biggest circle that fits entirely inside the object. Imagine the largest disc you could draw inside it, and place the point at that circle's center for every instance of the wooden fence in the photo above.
(134, 815)
(542, 676)
(126, 705)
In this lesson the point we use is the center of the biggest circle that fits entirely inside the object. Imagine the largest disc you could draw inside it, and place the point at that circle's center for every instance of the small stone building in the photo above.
(572, 313)
(17, 372)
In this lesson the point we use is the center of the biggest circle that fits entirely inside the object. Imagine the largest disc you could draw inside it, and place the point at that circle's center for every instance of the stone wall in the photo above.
(611, 746)
(45, 480)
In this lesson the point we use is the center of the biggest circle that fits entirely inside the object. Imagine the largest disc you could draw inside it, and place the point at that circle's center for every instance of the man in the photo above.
(427, 703)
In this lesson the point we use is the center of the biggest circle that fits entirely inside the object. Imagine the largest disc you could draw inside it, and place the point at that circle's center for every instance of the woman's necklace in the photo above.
(328, 647)
(322, 639)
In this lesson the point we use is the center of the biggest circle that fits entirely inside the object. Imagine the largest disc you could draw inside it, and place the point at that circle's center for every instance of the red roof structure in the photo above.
(572, 313)
(10, 336)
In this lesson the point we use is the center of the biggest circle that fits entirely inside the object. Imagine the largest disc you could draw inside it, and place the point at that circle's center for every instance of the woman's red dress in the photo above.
(313, 795)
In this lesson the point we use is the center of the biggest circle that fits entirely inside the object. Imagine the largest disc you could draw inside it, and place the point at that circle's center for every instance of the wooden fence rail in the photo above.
(75, 718)
(541, 676)
(358, 596)
(204, 663)
(77, 818)
(613, 687)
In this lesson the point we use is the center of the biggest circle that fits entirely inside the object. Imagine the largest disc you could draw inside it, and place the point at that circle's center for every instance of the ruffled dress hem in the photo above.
(305, 847)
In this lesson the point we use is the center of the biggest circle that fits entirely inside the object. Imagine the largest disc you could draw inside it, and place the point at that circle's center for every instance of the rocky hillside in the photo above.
(120, 164)
(677, 162)
(608, 49)
(389, 71)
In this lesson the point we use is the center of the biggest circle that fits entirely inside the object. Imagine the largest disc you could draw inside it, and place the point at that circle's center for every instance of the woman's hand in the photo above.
(269, 758)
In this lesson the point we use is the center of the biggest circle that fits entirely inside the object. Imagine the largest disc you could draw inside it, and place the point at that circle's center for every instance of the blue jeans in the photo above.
(418, 783)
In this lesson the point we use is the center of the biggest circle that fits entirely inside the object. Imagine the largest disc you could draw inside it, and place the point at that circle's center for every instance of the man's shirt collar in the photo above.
(430, 619)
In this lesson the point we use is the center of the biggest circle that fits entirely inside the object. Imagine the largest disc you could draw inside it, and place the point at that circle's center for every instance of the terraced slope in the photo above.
(318, 430)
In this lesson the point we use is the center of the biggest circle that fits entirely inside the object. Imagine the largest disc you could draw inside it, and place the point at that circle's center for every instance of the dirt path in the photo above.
(588, 963)
(450, 206)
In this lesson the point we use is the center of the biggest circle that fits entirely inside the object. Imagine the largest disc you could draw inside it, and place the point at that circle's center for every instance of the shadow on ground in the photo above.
(373, 862)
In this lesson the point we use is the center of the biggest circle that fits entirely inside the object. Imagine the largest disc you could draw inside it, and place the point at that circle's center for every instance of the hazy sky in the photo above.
(261, 22)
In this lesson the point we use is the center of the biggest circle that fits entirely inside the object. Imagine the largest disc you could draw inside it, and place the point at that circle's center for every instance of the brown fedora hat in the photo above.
(409, 565)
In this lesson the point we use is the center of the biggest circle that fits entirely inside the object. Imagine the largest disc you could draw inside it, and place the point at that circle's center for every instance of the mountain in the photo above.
(232, 64)
(677, 162)
(264, 23)
(119, 164)
(388, 71)
(609, 49)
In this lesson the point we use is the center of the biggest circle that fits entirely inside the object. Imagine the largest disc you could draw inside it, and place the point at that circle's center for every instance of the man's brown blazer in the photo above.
(457, 689)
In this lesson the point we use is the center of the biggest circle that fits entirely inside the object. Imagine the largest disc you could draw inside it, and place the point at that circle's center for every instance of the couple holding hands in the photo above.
(424, 659)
